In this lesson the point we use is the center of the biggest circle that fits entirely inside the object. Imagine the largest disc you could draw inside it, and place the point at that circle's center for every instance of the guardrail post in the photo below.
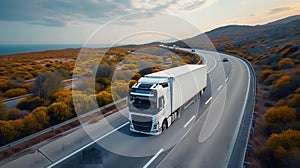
(253, 123)
(254, 115)
(246, 165)
(249, 150)
(252, 133)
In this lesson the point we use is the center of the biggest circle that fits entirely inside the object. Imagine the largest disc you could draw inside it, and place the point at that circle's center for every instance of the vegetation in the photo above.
(284, 144)
(46, 83)
(103, 76)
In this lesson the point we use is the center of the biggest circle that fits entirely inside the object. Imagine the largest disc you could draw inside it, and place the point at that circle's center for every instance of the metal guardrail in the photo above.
(244, 163)
(50, 129)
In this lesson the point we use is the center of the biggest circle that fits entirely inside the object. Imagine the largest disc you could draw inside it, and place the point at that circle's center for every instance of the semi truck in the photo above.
(157, 99)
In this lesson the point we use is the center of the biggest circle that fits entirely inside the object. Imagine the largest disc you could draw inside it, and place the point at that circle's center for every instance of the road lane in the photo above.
(213, 151)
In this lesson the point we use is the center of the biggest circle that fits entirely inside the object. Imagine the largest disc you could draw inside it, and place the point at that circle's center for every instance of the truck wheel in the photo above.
(164, 125)
(178, 113)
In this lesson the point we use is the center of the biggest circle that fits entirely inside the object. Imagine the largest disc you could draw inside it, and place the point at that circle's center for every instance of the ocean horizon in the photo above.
(24, 48)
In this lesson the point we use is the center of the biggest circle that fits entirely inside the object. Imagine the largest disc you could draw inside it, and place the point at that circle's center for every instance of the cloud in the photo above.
(61, 13)
(279, 10)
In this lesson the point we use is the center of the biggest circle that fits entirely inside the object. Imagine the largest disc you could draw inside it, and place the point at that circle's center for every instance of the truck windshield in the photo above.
(143, 102)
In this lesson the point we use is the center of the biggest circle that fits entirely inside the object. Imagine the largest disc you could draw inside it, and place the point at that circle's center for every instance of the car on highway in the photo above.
(225, 59)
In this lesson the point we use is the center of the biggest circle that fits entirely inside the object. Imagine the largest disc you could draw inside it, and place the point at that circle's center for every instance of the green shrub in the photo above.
(285, 63)
(30, 103)
(37, 120)
(14, 114)
(283, 145)
(15, 92)
(103, 98)
(281, 114)
(59, 112)
(294, 101)
(7, 132)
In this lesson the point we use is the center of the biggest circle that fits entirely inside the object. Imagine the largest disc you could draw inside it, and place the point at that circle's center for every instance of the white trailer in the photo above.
(157, 99)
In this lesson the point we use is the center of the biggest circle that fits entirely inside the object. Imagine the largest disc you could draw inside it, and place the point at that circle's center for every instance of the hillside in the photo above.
(266, 42)
(274, 51)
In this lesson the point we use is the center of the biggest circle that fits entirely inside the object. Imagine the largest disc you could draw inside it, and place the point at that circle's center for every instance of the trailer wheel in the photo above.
(164, 125)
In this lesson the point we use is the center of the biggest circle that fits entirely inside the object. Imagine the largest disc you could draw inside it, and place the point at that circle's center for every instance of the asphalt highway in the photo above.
(204, 136)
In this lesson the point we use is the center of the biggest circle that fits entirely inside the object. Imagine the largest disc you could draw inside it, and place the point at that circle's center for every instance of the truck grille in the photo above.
(141, 123)
(142, 126)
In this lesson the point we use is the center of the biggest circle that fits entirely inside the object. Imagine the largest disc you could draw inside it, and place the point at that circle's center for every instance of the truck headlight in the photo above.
(155, 125)
(131, 125)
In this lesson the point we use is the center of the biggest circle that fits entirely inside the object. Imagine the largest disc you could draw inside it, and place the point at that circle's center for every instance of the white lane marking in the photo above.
(153, 158)
(208, 100)
(226, 79)
(87, 145)
(186, 106)
(190, 120)
(219, 87)
(213, 66)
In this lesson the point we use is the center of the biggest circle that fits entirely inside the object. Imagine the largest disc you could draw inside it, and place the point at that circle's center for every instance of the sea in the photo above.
(23, 48)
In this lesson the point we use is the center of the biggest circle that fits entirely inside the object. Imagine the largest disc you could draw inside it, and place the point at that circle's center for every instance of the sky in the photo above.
(129, 21)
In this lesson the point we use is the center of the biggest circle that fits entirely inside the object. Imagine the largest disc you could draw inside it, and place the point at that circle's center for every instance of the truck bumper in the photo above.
(148, 133)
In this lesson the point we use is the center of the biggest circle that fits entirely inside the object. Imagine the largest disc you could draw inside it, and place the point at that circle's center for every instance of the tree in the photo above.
(105, 71)
(282, 145)
(281, 114)
(59, 112)
(47, 83)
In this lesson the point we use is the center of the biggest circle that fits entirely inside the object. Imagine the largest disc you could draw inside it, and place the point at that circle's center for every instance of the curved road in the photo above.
(204, 136)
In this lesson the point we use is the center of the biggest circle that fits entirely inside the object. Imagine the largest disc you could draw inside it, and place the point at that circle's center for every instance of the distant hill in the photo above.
(266, 43)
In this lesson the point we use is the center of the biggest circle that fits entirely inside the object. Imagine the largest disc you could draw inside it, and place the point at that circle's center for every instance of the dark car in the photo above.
(225, 59)
(193, 50)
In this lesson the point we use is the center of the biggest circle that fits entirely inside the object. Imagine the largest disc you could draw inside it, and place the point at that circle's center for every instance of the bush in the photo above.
(285, 63)
(284, 86)
(297, 90)
(104, 98)
(83, 103)
(3, 84)
(7, 132)
(15, 92)
(120, 89)
(59, 112)
(294, 101)
(30, 103)
(284, 80)
(284, 144)
(37, 120)
(14, 114)
(281, 114)
(265, 73)
(3, 111)
(281, 102)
